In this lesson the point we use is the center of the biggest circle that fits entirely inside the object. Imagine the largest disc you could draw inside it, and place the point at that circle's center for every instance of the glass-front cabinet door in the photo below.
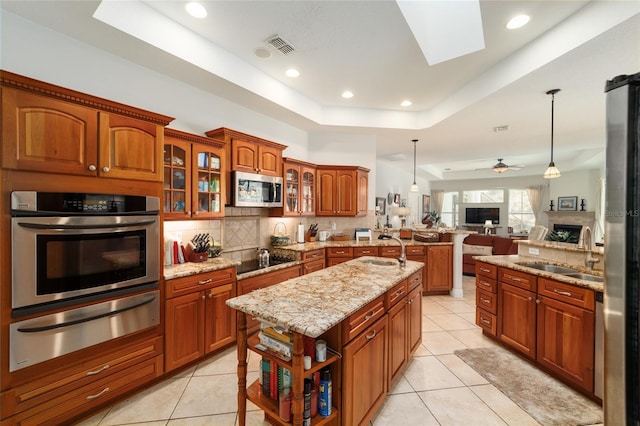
(300, 189)
(292, 182)
(177, 179)
(308, 195)
(207, 178)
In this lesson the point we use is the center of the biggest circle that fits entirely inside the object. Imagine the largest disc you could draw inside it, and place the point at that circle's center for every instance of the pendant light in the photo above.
(414, 187)
(552, 171)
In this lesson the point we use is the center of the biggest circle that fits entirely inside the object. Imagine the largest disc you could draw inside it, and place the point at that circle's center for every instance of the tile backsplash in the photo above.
(243, 230)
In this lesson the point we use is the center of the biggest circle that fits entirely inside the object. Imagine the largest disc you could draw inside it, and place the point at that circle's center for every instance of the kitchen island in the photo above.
(368, 310)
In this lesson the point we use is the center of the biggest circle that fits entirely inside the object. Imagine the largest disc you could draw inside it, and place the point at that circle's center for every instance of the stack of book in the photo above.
(276, 340)
(274, 379)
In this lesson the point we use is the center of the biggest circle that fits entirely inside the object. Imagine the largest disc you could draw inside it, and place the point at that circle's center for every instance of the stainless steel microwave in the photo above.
(253, 190)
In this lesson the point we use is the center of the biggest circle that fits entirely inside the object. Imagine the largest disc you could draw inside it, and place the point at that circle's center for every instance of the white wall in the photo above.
(395, 180)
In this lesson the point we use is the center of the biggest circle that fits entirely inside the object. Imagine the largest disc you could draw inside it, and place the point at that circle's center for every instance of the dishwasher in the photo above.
(598, 371)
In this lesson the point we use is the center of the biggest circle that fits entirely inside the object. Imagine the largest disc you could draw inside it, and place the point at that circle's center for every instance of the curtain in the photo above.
(535, 199)
(598, 231)
(437, 198)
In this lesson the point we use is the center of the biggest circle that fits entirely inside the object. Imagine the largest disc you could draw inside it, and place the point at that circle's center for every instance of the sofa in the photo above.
(484, 245)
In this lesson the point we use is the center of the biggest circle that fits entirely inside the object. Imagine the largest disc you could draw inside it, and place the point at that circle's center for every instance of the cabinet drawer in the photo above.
(486, 284)
(397, 293)
(416, 250)
(340, 252)
(184, 285)
(392, 251)
(518, 279)
(41, 391)
(267, 279)
(365, 251)
(415, 280)
(312, 255)
(487, 301)
(313, 266)
(486, 270)
(361, 319)
(574, 295)
(81, 399)
(487, 321)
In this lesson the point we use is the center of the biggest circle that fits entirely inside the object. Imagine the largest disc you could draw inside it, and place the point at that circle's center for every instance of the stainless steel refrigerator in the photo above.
(622, 253)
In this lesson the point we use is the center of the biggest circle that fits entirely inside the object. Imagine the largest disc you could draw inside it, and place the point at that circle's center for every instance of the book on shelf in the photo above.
(276, 333)
(266, 376)
(275, 344)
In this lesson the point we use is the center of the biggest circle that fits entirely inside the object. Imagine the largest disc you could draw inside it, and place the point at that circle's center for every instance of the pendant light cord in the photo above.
(415, 141)
(552, 104)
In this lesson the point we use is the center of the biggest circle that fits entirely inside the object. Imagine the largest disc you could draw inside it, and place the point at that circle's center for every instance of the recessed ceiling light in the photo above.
(347, 94)
(262, 52)
(406, 103)
(293, 73)
(196, 10)
(518, 21)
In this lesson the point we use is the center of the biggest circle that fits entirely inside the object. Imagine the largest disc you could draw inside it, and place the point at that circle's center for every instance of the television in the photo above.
(478, 215)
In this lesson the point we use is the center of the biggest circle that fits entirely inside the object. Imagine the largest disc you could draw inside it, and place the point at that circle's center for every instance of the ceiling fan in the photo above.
(501, 167)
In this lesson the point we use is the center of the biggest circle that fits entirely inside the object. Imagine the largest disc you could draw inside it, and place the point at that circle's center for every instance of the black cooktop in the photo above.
(252, 265)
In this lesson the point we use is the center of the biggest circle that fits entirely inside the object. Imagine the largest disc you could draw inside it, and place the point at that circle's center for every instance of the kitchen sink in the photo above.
(549, 268)
(380, 262)
(586, 277)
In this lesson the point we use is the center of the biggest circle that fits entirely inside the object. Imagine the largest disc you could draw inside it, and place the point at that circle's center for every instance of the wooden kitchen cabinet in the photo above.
(194, 178)
(365, 372)
(517, 310)
(47, 128)
(299, 189)
(197, 320)
(340, 190)
(487, 297)
(414, 314)
(439, 269)
(365, 251)
(397, 311)
(312, 261)
(566, 331)
(336, 255)
(67, 390)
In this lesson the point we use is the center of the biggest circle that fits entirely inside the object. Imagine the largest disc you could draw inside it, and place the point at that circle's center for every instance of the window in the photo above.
(449, 215)
(521, 216)
(483, 196)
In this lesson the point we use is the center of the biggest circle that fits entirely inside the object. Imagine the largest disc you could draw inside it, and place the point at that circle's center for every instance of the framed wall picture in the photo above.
(380, 204)
(426, 204)
(567, 203)
(396, 199)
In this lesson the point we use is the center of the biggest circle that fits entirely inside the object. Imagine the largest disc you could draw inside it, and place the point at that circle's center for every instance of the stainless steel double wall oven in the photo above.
(85, 270)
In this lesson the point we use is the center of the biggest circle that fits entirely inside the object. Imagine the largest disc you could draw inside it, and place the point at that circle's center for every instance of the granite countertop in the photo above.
(194, 268)
(316, 302)
(303, 247)
(511, 261)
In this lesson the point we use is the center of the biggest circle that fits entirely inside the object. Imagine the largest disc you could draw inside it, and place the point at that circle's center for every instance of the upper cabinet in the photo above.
(300, 189)
(342, 191)
(194, 178)
(246, 153)
(46, 128)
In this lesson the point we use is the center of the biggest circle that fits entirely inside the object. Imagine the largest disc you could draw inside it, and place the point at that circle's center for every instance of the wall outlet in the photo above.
(333, 226)
(534, 251)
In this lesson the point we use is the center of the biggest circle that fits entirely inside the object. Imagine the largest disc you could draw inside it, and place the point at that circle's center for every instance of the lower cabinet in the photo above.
(336, 255)
(365, 372)
(66, 393)
(198, 322)
(312, 261)
(550, 322)
(414, 318)
(439, 269)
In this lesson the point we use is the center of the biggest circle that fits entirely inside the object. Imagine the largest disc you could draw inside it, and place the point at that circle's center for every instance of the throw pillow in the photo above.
(477, 250)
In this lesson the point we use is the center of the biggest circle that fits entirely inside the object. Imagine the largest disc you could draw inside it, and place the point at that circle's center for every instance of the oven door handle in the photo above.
(97, 226)
(147, 299)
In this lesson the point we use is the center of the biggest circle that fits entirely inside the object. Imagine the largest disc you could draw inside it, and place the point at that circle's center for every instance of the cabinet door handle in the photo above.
(399, 292)
(202, 297)
(484, 321)
(530, 298)
(485, 270)
(484, 283)
(516, 279)
(563, 293)
(371, 336)
(98, 371)
(340, 252)
(487, 301)
(105, 169)
(409, 302)
(203, 282)
(92, 167)
(99, 394)
(368, 317)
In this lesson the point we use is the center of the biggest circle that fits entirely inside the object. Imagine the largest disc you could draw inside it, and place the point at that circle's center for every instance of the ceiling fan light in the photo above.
(500, 167)
(551, 172)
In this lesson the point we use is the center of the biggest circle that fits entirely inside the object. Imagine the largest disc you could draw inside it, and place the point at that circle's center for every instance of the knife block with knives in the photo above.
(312, 232)
(197, 250)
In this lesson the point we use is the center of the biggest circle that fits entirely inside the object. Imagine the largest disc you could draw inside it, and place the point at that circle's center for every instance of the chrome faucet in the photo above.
(403, 255)
(585, 242)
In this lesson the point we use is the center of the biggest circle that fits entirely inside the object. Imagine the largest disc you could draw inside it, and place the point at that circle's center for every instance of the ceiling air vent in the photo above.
(280, 44)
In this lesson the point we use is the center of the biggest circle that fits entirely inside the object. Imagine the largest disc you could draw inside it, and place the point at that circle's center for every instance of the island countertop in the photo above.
(314, 303)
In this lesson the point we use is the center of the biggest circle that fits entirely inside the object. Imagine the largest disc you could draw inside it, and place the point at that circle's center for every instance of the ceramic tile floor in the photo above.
(437, 388)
